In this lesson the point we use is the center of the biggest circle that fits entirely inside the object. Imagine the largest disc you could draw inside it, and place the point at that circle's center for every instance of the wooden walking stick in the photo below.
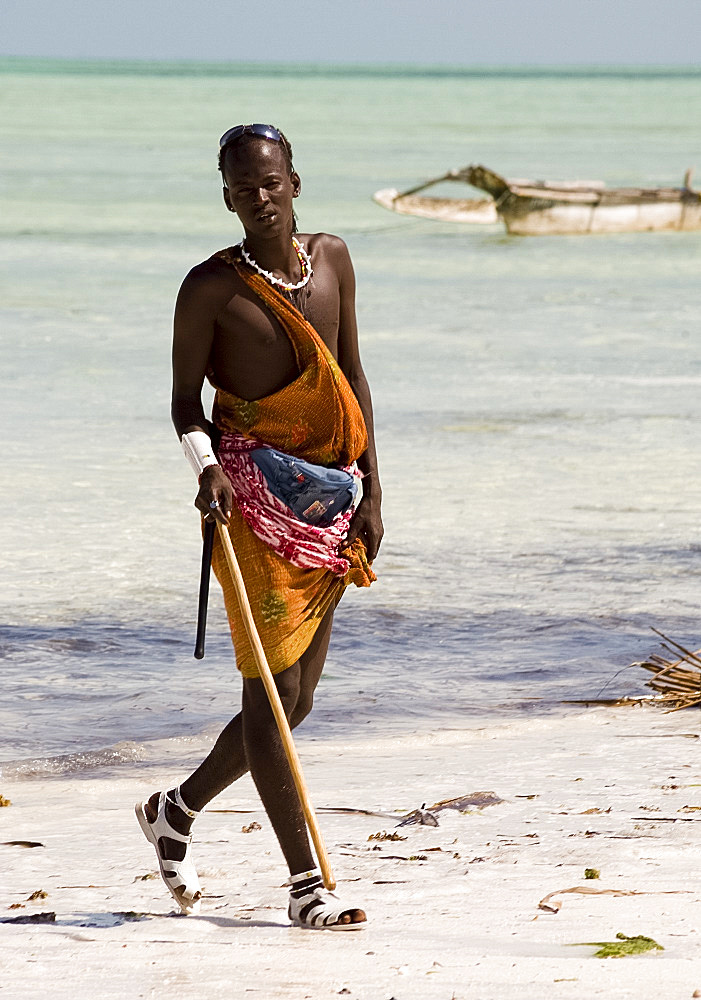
(207, 543)
(276, 705)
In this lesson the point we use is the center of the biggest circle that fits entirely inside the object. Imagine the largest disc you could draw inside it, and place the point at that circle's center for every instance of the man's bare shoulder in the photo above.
(211, 277)
(330, 249)
(325, 242)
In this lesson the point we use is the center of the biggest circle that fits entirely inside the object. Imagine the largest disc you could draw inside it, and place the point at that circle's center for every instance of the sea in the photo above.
(537, 399)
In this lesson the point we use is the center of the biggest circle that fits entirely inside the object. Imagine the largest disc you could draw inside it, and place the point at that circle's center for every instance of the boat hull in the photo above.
(543, 208)
(543, 217)
(476, 211)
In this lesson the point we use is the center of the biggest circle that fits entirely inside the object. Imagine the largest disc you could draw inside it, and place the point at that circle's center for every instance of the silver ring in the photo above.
(214, 504)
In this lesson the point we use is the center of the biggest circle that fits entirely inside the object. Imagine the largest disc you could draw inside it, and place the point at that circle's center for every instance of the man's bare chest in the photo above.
(251, 354)
(246, 322)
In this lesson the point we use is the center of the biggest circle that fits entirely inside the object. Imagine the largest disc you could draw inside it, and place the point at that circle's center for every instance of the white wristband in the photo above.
(198, 451)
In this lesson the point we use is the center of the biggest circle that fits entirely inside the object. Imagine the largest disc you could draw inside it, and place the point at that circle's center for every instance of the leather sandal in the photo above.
(180, 877)
(315, 907)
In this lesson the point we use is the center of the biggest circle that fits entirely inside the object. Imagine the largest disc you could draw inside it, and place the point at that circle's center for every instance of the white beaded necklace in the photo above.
(286, 286)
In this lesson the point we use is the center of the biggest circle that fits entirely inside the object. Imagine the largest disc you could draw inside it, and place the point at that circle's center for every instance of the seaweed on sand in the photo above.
(677, 680)
(637, 944)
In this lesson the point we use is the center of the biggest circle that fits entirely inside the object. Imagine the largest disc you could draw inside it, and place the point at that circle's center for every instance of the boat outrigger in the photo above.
(534, 208)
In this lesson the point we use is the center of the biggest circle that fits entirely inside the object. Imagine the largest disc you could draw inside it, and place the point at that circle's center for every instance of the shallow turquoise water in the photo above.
(537, 400)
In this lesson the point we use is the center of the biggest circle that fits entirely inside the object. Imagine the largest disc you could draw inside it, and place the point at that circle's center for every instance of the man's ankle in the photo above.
(180, 819)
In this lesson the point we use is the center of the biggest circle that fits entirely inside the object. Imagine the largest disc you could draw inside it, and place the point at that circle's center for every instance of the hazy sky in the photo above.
(457, 32)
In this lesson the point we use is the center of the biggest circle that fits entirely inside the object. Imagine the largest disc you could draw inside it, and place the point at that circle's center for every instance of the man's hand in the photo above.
(367, 525)
(215, 499)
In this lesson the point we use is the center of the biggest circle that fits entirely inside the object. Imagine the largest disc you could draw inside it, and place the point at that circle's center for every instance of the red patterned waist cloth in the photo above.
(308, 546)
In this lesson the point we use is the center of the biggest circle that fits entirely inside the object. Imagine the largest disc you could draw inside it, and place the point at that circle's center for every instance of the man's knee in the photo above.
(305, 703)
(256, 702)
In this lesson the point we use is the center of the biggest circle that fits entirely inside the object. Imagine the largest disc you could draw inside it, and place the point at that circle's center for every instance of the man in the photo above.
(271, 323)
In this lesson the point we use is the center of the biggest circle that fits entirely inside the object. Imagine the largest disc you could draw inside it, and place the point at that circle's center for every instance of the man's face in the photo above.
(260, 187)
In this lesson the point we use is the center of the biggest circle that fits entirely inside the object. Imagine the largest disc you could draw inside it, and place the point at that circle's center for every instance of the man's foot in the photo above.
(313, 906)
(165, 820)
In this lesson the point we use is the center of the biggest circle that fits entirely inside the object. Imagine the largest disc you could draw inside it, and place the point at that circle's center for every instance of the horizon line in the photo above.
(323, 66)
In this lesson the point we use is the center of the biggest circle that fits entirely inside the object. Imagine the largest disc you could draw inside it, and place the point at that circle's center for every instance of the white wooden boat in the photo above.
(533, 208)
(473, 210)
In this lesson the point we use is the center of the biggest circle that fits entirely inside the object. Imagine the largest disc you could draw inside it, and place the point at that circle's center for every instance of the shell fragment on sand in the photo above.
(552, 905)
(427, 816)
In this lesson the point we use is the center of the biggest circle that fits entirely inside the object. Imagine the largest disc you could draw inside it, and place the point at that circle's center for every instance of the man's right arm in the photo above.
(193, 334)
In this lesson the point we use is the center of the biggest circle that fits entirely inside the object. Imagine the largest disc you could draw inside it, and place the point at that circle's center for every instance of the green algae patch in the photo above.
(622, 946)
(592, 873)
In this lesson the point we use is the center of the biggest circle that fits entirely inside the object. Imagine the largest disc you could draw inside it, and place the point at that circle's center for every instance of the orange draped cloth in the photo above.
(315, 417)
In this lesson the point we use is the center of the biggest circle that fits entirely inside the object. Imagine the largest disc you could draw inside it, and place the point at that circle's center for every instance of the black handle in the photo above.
(207, 543)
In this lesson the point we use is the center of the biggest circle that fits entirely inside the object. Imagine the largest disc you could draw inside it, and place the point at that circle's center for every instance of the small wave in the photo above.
(72, 763)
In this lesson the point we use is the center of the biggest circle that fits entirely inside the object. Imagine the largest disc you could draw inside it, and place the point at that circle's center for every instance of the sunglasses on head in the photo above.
(264, 131)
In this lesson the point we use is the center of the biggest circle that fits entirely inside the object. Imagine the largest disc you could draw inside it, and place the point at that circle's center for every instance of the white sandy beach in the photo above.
(453, 909)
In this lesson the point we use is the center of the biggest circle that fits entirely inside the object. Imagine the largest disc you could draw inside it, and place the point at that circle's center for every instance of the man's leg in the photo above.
(273, 778)
(252, 741)
(227, 760)
(270, 769)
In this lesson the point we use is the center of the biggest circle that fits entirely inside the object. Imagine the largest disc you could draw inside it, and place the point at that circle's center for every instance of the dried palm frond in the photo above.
(677, 680)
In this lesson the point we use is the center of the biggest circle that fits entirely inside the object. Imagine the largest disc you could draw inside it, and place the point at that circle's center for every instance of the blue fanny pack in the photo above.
(314, 493)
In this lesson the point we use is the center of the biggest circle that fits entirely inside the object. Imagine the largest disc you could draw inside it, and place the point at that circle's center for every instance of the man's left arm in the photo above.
(367, 521)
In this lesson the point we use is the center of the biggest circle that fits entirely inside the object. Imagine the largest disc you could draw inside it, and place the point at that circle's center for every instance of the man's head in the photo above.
(236, 139)
(256, 163)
